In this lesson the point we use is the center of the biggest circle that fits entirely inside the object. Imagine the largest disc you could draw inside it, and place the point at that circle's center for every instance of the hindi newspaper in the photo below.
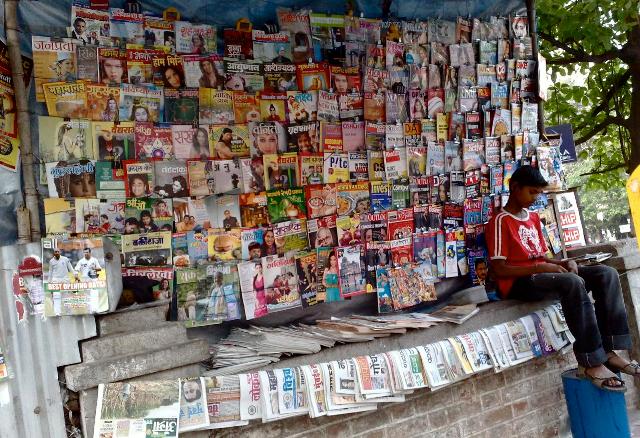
(340, 403)
(250, 396)
(270, 397)
(496, 349)
(315, 392)
(476, 351)
(223, 401)
(435, 367)
(373, 375)
(193, 405)
(409, 365)
(138, 409)
(291, 391)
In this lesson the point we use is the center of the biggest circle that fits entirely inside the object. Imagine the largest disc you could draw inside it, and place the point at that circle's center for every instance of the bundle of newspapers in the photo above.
(338, 387)
(247, 349)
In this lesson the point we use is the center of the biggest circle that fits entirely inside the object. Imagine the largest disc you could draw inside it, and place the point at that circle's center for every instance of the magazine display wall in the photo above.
(336, 157)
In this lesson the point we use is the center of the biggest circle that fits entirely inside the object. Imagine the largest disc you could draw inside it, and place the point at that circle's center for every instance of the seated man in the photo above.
(517, 251)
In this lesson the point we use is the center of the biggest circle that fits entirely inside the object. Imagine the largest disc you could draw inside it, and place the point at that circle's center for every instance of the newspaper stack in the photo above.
(255, 347)
(229, 396)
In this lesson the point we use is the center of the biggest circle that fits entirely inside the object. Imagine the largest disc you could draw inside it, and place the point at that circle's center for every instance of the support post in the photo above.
(30, 189)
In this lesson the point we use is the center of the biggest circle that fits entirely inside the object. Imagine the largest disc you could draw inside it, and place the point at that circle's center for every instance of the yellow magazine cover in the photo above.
(66, 99)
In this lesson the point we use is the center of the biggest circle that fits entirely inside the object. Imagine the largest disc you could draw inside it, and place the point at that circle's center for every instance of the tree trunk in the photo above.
(633, 124)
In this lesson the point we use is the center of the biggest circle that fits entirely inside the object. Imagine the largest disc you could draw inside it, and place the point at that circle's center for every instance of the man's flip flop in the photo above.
(603, 382)
(631, 369)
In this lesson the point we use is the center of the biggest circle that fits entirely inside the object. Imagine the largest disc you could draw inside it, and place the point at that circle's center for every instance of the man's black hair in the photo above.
(478, 261)
(528, 176)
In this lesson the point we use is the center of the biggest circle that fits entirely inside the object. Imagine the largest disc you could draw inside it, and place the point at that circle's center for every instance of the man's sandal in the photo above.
(632, 368)
(603, 382)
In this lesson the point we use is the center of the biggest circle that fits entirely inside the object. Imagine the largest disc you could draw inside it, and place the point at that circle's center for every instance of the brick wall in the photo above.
(526, 401)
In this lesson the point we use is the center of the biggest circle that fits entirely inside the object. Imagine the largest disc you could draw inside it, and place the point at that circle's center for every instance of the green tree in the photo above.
(598, 40)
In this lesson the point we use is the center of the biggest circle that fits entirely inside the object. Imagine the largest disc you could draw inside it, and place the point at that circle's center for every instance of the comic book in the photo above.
(237, 44)
(224, 244)
(375, 161)
(181, 106)
(281, 171)
(144, 215)
(322, 232)
(217, 106)
(336, 167)
(297, 23)
(395, 164)
(267, 138)
(195, 38)
(328, 106)
(353, 136)
(348, 230)
(311, 169)
(351, 106)
(280, 283)
(65, 99)
(303, 138)
(306, 268)
(358, 166)
(286, 204)
(126, 27)
(229, 141)
(350, 271)
(253, 210)
(74, 281)
(321, 200)
(380, 196)
(53, 60)
(331, 137)
(411, 284)
(158, 32)
(74, 178)
(244, 76)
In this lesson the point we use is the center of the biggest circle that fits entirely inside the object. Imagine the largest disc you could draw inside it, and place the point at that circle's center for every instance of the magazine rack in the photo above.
(594, 412)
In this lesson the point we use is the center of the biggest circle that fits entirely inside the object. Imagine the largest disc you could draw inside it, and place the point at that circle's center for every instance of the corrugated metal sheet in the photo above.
(34, 348)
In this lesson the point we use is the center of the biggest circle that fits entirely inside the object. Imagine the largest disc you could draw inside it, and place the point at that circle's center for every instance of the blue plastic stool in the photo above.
(593, 412)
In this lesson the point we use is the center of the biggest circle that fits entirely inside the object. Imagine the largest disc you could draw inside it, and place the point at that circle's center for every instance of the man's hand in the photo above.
(550, 268)
(571, 266)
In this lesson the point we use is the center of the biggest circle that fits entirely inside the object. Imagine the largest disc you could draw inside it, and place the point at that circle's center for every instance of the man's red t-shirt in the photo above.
(518, 241)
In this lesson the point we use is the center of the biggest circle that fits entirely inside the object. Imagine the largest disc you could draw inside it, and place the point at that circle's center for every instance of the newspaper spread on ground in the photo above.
(193, 405)
(138, 409)
(314, 384)
(223, 401)
(434, 364)
(250, 397)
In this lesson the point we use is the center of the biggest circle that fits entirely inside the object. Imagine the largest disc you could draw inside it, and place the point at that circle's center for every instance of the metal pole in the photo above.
(30, 189)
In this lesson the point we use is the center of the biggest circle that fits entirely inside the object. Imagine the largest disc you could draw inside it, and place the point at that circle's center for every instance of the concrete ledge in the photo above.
(132, 320)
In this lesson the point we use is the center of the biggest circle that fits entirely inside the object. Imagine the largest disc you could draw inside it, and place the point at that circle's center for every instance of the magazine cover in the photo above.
(252, 175)
(109, 180)
(373, 227)
(102, 102)
(375, 161)
(353, 136)
(147, 285)
(328, 109)
(297, 24)
(419, 191)
(126, 27)
(395, 164)
(252, 240)
(140, 64)
(53, 61)
(375, 79)
(311, 169)
(377, 256)
(159, 33)
(141, 103)
(473, 154)
(303, 138)
(302, 106)
(201, 177)
(350, 271)
(181, 106)
(331, 136)
(279, 78)
(253, 210)
(150, 407)
(216, 106)
(358, 166)
(224, 245)
(281, 171)
(425, 250)
(394, 136)
(348, 230)
(321, 200)
(189, 142)
(67, 140)
(436, 160)
(396, 107)
(290, 236)
(252, 285)
(205, 71)
(411, 284)
(190, 214)
(400, 195)
(286, 204)
(374, 107)
(345, 79)
(281, 283)
(400, 224)
(383, 290)
(90, 26)
(229, 141)
(306, 268)
(143, 215)
(322, 232)
(417, 161)
(112, 66)
(271, 47)
(59, 217)
(267, 138)
(351, 106)
(74, 276)
(243, 75)
(153, 142)
(380, 196)
(75, 179)
(63, 99)
(237, 44)
(138, 178)
(150, 249)
(336, 167)
(273, 106)
(223, 211)
(195, 38)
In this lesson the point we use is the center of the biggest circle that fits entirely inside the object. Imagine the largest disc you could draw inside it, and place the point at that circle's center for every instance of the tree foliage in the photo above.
(593, 46)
